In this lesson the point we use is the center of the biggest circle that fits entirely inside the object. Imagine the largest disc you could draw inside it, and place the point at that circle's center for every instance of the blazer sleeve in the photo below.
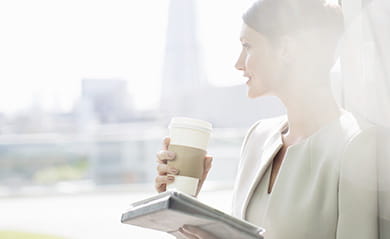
(240, 165)
(357, 195)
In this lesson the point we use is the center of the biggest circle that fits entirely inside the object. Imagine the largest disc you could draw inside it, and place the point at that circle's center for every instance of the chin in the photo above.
(252, 94)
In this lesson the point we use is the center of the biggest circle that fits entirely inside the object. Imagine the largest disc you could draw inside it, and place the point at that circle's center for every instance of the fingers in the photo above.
(164, 169)
(198, 233)
(162, 181)
(164, 155)
(161, 188)
(166, 142)
(187, 234)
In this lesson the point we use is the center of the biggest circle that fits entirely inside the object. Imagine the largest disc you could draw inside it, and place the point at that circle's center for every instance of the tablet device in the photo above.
(171, 210)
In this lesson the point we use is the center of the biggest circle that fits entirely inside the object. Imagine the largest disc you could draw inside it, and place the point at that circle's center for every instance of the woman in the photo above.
(311, 173)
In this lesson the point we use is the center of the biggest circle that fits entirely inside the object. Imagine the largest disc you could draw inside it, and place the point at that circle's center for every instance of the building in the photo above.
(108, 99)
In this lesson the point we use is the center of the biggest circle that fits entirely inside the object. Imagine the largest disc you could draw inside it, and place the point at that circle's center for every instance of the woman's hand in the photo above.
(191, 232)
(163, 169)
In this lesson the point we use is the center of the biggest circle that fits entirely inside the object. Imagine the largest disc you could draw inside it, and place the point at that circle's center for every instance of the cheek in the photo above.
(262, 67)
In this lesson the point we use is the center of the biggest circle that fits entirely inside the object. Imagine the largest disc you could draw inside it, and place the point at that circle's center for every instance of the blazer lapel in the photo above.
(270, 149)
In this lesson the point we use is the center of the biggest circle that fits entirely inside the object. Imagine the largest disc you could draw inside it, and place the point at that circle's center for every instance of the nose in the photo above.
(240, 64)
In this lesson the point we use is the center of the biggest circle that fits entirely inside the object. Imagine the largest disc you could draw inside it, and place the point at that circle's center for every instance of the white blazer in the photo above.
(326, 187)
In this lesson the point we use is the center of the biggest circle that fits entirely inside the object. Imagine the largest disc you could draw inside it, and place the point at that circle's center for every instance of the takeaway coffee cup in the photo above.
(189, 140)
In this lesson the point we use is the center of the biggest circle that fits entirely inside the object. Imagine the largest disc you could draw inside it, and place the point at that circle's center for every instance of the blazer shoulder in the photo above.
(262, 129)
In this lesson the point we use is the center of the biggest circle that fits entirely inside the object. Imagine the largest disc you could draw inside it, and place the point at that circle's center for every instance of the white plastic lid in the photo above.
(183, 122)
(184, 184)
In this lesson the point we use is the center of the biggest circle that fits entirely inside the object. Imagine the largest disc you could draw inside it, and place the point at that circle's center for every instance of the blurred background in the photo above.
(87, 89)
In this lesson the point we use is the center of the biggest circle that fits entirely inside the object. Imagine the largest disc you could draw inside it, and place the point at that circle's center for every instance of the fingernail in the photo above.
(171, 178)
(173, 170)
(171, 154)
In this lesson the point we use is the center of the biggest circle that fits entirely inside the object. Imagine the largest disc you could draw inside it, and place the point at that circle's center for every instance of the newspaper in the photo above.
(171, 210)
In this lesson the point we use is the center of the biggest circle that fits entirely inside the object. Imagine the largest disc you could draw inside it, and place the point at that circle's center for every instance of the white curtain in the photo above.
(364, 85)
(365, 60)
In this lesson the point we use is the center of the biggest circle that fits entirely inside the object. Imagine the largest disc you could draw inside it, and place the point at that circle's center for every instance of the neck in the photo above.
(308, 110)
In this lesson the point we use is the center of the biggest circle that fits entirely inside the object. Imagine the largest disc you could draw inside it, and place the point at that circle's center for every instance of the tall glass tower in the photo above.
(182, 72)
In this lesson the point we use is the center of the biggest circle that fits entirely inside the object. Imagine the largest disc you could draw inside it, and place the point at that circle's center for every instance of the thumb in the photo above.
(208, 163)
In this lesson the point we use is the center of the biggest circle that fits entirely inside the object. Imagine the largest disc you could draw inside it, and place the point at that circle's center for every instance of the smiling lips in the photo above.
(247, 76)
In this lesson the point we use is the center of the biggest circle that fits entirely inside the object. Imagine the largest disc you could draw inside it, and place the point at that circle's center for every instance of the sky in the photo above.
(48, 46)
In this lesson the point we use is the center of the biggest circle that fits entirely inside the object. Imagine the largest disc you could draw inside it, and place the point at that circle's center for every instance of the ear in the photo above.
(287, 48)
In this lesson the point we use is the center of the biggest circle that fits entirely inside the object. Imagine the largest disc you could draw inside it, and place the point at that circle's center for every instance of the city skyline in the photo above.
(44, 61)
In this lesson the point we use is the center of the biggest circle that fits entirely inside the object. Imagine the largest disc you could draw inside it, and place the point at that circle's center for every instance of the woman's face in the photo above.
(259, 62)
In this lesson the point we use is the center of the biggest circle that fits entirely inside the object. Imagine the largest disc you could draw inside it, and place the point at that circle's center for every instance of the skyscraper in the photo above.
(182, 73)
